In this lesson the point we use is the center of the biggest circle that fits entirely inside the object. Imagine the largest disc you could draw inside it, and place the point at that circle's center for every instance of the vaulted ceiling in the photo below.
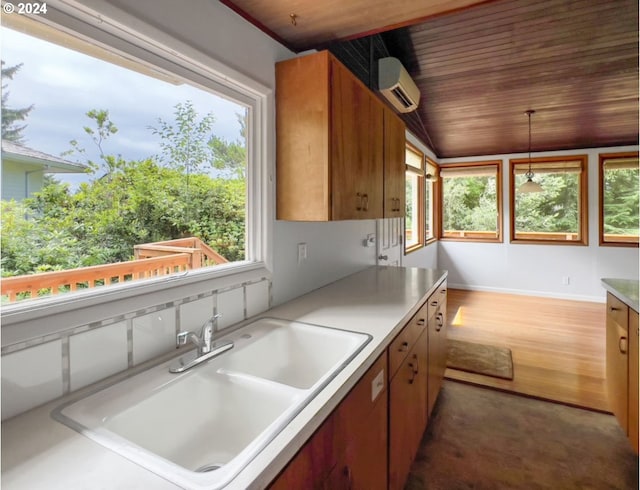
(480, 65)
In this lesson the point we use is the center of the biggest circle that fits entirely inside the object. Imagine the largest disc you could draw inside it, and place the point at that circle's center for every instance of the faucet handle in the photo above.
(182, 337)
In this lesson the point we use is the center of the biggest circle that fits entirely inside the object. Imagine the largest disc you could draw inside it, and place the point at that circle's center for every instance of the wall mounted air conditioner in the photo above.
(396, 85)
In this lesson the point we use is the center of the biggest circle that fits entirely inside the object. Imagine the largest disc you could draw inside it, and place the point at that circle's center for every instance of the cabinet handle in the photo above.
(358, 202)
(434, 303)
(421, 321)
(347, 473)
(365, 198)
(613, 308)
(414, 369)
(622, 345)
(404, 347)
(440, 320)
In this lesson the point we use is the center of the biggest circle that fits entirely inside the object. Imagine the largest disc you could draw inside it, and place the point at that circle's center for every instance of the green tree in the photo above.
(189, 144)
(105, 128)
(469, 203)
(621, 201)
(11, 117)
(134, 202)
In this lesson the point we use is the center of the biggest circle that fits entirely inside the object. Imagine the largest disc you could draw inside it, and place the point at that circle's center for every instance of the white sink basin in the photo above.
(293, 353)
(199, 429)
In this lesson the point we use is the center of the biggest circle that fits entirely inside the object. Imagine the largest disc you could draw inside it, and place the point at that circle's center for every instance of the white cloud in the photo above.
(63, 85)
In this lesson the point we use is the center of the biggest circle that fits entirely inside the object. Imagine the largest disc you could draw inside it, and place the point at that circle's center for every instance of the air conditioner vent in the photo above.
(395, 83)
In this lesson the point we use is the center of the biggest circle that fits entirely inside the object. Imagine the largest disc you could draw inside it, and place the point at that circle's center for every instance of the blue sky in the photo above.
(63, 85)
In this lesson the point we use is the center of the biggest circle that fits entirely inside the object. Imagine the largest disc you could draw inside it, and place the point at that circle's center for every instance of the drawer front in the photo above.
(402, 344)
(617, 311)
(437, 300)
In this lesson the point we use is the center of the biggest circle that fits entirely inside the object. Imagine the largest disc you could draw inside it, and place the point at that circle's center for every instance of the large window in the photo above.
(619, 193)
(117, 169)
(414, 216)
(471, 201)
(431, 177)
(558, 213)
(420, 217)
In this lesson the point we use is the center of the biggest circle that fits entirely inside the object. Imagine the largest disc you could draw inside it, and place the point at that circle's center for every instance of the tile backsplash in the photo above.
(44, 369)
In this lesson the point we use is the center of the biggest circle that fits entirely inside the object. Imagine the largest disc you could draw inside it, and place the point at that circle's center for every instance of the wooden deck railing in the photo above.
(201, 254)
(152, 260)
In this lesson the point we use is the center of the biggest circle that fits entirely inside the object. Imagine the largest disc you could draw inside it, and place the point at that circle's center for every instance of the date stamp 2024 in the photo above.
(23, 8)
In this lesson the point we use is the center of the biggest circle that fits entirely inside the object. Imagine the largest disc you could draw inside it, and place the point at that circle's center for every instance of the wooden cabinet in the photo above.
(349, 450)
(633, 379)
(407, 411)
(622, 365)
(394, 165)
(356, 142)
(332, 138)
(437, 331)
(361, 427)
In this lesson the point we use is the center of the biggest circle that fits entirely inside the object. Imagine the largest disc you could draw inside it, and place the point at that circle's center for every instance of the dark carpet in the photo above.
(485, 439)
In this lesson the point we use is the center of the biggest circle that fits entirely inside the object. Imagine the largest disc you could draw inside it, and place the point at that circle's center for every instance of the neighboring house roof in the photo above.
(51, 164)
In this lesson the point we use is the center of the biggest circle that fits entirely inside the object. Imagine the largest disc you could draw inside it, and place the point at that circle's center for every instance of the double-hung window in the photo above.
(558, 213)
(619, 193)
(414, 216)
(471, 201)
(430, 188)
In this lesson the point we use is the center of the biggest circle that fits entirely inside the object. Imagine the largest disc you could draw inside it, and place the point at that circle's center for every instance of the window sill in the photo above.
(138, 292)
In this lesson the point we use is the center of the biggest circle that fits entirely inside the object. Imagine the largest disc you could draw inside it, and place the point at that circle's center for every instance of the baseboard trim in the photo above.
(525, 292)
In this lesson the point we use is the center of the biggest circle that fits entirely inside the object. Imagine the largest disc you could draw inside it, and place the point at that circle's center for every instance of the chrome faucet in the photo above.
(205, 340)
(207, 348)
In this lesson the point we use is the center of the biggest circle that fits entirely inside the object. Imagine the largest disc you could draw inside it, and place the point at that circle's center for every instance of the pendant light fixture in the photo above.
(530, 186)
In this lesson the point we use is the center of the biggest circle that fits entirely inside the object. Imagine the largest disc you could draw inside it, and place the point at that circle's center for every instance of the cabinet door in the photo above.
(356, 148)
(302, 138)
(407, 412)
(364, 463)
(437, 345)
(394, 165)
(313, 463)
(633, 378)
(617, 359)
(361, 428)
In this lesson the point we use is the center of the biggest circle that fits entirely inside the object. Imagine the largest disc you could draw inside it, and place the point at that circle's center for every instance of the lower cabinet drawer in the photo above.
(404, 342)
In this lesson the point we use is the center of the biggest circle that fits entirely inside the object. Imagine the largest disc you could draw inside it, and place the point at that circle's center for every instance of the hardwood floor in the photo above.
(558, 346)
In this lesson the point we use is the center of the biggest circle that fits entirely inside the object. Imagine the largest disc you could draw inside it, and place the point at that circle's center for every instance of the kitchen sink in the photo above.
(200, 428)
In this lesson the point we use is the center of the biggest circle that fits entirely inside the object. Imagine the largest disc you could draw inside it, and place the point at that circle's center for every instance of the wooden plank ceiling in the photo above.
(480, 67)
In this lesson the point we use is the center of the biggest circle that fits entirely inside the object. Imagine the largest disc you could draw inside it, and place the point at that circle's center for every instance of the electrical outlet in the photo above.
(370, 241)
(302, 252)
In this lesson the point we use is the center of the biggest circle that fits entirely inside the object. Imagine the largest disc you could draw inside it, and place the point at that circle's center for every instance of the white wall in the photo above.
(539, 269)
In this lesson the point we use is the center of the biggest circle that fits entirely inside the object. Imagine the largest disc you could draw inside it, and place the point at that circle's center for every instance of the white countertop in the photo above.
(39, 452)
(626, 290)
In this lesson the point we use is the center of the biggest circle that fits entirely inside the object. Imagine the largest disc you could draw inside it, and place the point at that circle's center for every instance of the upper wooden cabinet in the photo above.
(336, 143)
(394, 165)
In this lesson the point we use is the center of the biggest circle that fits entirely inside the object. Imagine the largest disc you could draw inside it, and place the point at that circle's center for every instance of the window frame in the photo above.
(583, 206)
(470, 237)
(420, 212)
(433, 180)
(202, 72)
(602, 158)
